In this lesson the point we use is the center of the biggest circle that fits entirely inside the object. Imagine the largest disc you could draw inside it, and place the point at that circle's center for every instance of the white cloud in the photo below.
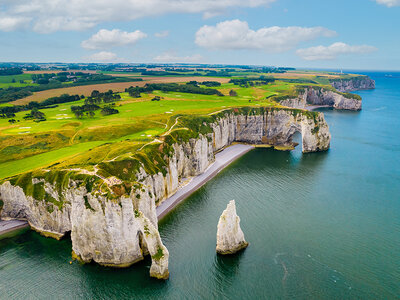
(12, 23)
(332, 51)
(236, 34)
(104, 56)
(389, 3)
(162, 34)
(112, 38)
(172, 57)
(64, 15)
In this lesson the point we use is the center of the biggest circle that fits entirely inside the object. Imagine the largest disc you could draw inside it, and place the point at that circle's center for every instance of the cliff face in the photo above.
(320, 96)
(118, 228)
(353, 84)
(230, 237)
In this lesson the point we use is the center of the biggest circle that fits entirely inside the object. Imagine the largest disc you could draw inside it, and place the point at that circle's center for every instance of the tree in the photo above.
(107, 110)
(12, 121)
(232, 93)
(78, 114)
(95, 93)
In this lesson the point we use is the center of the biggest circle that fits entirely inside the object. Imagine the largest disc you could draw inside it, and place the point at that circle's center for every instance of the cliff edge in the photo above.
(345, 85)
(110, 206)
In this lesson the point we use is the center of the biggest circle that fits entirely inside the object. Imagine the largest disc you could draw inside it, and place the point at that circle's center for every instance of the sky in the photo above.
(339, 34)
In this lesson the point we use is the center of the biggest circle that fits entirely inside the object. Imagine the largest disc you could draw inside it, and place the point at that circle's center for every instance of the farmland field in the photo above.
(116, 87)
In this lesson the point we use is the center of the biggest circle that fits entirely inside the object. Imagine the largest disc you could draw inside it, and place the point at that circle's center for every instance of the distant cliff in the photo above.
(353, 84)
(316, 95)
(110, 209)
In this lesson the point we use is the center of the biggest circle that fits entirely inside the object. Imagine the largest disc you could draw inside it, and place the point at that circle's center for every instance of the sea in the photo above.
(320, 226)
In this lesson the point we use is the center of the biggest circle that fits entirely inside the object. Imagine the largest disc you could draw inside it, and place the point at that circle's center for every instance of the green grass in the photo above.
(12, 168)
(139, 121)
(6, 81)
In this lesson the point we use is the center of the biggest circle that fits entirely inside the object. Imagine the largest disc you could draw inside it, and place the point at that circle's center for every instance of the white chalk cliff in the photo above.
(230, 237)
(323, 97)
(119, 229)
(353, 84)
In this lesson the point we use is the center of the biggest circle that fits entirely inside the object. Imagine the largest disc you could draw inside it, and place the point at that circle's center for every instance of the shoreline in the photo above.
(314, 107)
(222, 159)
(8, 226)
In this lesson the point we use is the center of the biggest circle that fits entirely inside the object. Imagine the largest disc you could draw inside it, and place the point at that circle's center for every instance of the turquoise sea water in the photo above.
(320, 226)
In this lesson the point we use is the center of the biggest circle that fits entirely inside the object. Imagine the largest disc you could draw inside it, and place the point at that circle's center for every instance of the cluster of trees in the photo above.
(47, 82)
(206, 83)
(64, 98)
(221, 73)
(13, 93)
(159, 73)
(246, 82)
(108, 110)
(9, 111)
(181, 88)
(87, 109)
(91, 104)
(276, 70)
(7, 115)
(35, 115)
(96, 97)
(77, 77)
(190, 87)
(211, 83)
(233, 93)
(10, 71)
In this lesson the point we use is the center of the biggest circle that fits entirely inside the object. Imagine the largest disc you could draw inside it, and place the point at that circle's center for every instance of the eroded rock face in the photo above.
(46, 218)
(120, 231)
(320, 96)
(349, 85)
(230, 237)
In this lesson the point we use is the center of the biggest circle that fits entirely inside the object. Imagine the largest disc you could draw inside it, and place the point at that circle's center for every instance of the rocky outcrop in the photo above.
(114, 222)
(44, 217)
(230, 237)
(323, 97)
(353, 84)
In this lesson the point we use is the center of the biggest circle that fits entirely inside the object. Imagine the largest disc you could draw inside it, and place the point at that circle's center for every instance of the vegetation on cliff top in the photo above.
(141, 134)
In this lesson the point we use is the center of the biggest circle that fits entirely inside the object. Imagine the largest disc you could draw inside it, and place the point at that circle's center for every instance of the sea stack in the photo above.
(230, 237)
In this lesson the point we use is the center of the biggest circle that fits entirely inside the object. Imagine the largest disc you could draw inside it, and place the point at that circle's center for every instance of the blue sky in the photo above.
(352, 34)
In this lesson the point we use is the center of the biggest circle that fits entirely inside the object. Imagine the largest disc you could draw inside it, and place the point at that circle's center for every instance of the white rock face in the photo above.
(354, 84)
(230, 237)
(318, 96)
(118, 232)
(43, 217)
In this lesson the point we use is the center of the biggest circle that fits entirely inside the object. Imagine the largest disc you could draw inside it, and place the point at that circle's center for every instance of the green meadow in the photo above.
(7, 81)
(28, 145)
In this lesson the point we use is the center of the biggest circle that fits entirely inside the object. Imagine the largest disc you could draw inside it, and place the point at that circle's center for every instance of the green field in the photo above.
(7, 81)
(63, 138)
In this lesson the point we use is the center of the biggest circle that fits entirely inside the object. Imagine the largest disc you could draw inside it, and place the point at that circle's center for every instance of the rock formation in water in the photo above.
(324, 97)
(353, 84)
(111, 210)
(230, 237)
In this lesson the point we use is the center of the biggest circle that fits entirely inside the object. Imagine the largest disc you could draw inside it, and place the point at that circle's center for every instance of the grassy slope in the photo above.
(140, 120)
